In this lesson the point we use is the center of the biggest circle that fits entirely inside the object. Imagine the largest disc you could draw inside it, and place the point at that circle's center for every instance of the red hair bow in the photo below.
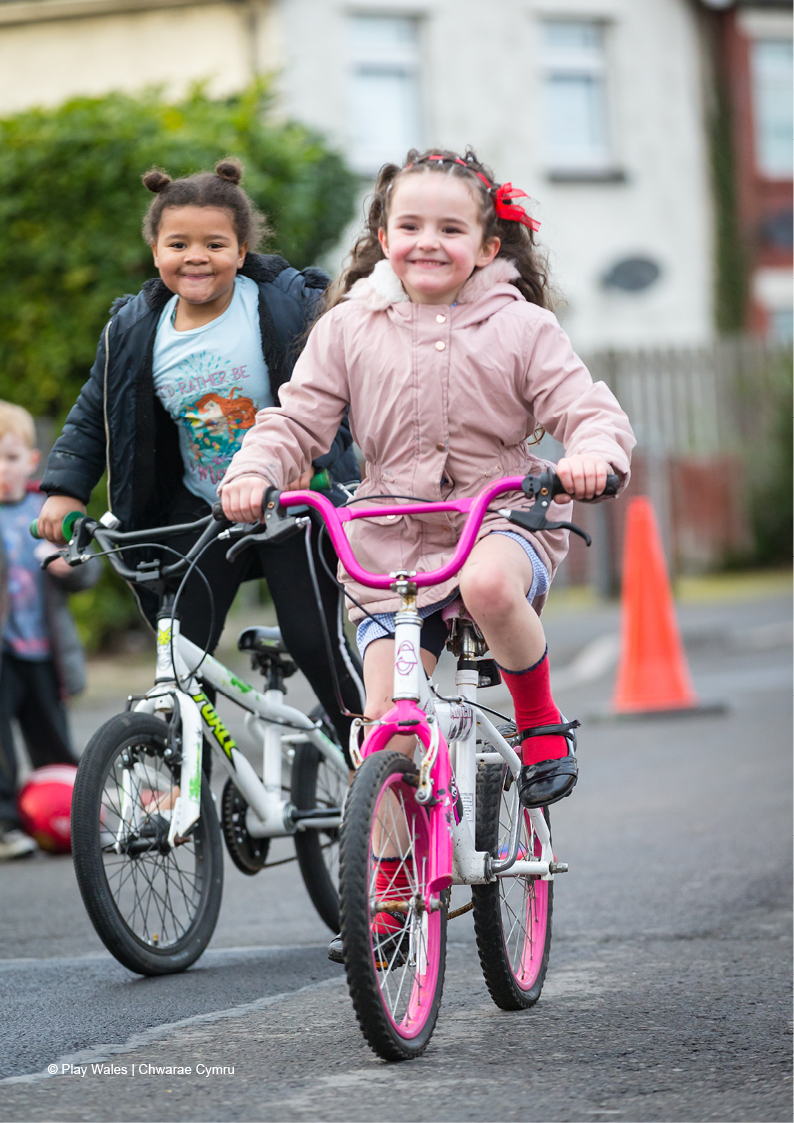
(506, 208)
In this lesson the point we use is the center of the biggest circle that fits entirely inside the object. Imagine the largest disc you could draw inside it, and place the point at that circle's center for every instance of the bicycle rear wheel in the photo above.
(512, 916)
(153, 906)
(394, 933)
(316, 783)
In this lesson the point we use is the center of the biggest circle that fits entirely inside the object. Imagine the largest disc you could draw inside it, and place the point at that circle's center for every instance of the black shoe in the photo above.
(548, 781)
(390, 949)
(336, 953)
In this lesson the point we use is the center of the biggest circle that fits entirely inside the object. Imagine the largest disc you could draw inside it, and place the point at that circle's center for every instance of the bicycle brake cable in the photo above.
(338, 583)
(329, 650)
(468, 701)
(191, 567)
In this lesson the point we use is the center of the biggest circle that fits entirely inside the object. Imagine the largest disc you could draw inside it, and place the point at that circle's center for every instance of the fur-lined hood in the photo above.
(383, 288)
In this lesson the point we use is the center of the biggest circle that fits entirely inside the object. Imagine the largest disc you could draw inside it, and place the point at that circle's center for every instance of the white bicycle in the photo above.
(145, 832)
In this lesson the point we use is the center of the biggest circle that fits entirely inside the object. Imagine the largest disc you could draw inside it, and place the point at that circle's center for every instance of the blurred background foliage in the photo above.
(769, 461)
(71, 203)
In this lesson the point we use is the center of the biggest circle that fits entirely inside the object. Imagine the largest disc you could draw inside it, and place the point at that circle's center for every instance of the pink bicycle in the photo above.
(413, 828)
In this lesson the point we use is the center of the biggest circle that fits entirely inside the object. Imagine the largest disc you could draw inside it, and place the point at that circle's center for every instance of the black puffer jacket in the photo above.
(119, 420)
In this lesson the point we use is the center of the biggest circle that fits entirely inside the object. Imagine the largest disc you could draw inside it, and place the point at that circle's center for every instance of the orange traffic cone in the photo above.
(653, 675)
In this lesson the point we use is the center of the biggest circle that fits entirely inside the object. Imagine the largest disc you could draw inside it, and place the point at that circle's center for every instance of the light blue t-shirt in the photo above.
(212, 380)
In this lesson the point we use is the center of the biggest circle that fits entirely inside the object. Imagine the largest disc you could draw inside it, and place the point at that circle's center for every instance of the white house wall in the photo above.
(480, 64)
(46, 61)
(481, 75)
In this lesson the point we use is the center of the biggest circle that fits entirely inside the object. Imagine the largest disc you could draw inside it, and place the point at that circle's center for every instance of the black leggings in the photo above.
(286, 569)
(29, 692)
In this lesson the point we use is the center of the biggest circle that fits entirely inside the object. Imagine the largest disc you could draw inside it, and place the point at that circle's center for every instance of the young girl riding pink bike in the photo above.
(440, 341)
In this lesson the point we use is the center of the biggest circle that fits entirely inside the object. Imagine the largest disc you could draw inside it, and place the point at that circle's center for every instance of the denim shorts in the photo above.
(434, 628)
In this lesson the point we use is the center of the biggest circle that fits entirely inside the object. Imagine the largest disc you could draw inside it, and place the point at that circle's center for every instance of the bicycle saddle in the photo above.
(262, 639)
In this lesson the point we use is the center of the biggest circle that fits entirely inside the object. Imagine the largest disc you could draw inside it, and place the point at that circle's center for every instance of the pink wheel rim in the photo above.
(528, 918)
(408, 990)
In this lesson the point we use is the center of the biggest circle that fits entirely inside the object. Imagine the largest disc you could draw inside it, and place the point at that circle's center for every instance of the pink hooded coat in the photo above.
(442, 402)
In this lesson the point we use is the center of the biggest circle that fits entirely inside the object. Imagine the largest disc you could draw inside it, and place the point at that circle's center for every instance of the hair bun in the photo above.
(229, 169)
(156, 180)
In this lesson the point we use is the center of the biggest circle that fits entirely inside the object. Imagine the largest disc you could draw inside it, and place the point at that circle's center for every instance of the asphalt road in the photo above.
(667, 996)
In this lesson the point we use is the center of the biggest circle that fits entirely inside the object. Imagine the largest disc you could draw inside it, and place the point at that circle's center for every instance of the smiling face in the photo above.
(433, 238)
(198, 255)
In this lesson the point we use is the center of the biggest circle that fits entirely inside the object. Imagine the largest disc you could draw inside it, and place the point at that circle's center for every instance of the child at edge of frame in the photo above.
(42, 662)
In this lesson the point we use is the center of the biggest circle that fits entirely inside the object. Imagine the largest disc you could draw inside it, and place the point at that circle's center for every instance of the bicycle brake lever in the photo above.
(543, 489)
(530, 521)
(50, 558)
(277, 526)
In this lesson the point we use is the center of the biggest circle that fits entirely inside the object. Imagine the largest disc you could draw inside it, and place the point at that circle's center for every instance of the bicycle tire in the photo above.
(155, 909)
(395, 980)
(512, 916)
(316, 783)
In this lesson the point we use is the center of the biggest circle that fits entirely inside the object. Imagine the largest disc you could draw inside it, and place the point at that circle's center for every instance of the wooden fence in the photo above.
(701, 416)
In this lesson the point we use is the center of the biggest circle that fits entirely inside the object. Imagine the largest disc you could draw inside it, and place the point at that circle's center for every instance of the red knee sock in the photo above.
(391, 884)
(531, 692)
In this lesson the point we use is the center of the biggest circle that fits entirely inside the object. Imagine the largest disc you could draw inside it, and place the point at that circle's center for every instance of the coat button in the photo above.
(440, 345)
(441, 447)
(441, 319)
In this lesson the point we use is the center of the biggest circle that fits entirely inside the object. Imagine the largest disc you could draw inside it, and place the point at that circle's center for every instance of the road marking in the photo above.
(593, 661)
(99, 1053)
(94, 956)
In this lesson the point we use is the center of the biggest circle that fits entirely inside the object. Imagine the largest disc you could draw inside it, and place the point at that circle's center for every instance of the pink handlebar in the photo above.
(335, 518)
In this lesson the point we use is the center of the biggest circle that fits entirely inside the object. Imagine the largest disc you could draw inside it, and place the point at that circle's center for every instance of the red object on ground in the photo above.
(653, 674)
(44, 804)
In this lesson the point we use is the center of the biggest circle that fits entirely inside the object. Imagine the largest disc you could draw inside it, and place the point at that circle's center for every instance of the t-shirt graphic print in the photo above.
(212, 380)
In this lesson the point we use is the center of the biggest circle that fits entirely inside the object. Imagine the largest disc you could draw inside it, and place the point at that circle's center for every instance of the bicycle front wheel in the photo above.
(393, 930)
(512, 916)
(153, 906)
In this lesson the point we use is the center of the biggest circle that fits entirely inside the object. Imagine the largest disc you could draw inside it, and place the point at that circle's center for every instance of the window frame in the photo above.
(579, 168)
(387, 61)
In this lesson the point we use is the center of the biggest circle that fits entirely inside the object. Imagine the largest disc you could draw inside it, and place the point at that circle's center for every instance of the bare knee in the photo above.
(488, 593)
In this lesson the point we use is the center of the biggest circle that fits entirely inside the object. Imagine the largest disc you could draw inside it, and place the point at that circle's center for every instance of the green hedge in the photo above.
(71, 204)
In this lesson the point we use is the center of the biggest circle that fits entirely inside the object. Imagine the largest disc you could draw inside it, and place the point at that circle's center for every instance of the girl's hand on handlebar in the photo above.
(583, 477)
(242, 499)
(54, 511)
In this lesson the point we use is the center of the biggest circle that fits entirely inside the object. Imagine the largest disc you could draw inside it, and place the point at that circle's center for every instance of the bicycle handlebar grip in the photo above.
(320, 481)
(610, 488)
(612, 485)
(67, 526)
(217, 512)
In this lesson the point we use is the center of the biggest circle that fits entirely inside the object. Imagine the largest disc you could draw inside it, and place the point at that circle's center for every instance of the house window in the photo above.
(385, 90)
(771, 68)
(575, 95)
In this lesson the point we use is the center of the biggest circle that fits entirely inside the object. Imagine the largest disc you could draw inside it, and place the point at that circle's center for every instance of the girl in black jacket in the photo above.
(180, 372)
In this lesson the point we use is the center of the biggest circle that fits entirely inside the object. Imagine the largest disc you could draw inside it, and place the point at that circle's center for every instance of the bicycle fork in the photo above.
(175, 686)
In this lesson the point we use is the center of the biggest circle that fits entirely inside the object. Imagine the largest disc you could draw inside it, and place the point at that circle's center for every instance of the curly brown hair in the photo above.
(517, 240)
(220, 188)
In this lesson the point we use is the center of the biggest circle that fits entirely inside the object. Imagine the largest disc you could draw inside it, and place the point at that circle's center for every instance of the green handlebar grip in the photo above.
(320, 481)
(67, 526)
